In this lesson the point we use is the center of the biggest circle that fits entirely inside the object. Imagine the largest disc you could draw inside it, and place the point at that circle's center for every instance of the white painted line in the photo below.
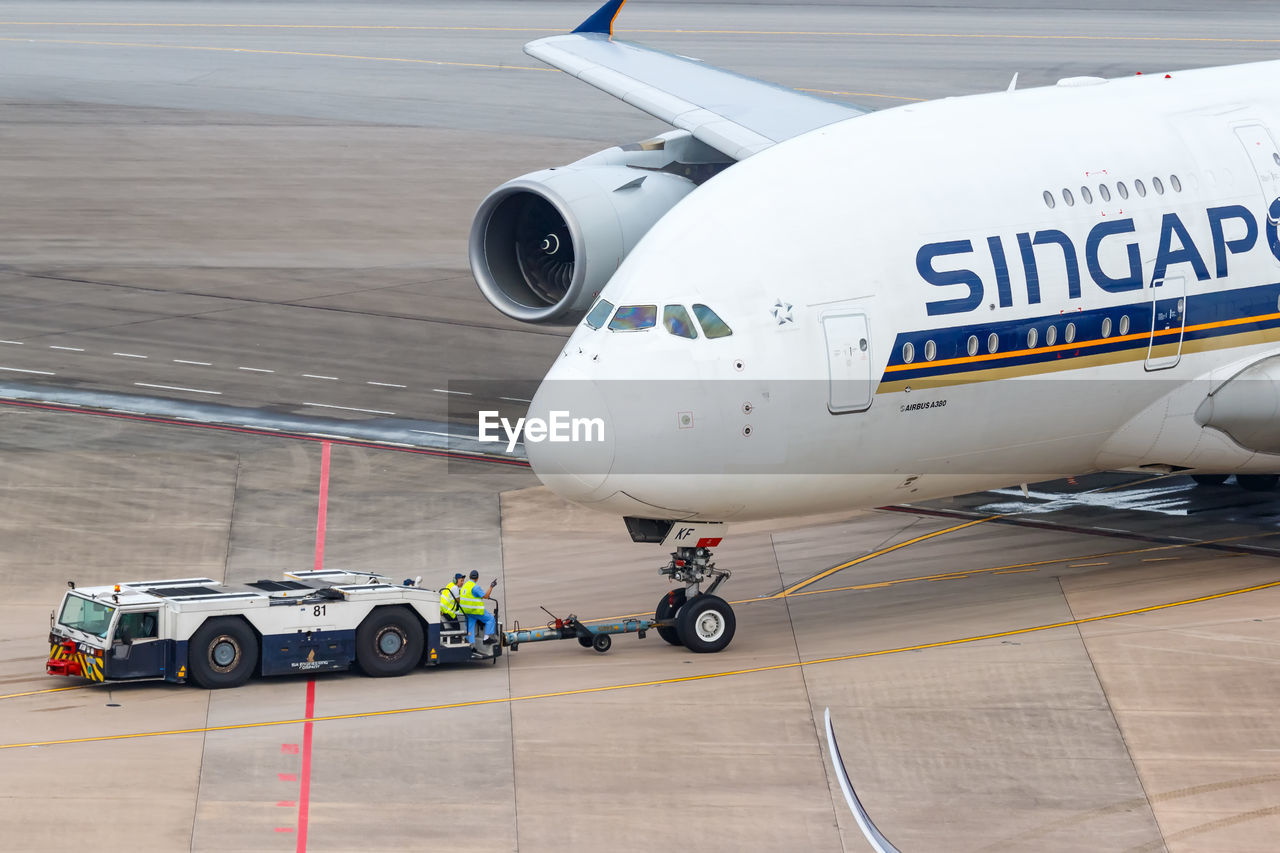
(515, 399)
(272, 429)
(386, 384)
(396, 444)
(68, 349)
(348, 409)
(176, 388)
(447, 391)
(128, 355)
(331, 435)
(55, 403)
(126, 411)
(314, 376)
(201, 363)
(15, 343)
(256, 369)
(20, 370)
(431, 432)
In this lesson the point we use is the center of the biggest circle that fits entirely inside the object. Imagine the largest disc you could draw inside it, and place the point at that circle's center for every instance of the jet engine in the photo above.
(544, 245)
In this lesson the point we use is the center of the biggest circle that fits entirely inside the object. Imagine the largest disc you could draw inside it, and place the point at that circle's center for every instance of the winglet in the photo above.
(602, 21)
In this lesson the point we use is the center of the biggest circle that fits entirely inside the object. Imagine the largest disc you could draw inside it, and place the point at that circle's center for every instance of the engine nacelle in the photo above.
(544, 245)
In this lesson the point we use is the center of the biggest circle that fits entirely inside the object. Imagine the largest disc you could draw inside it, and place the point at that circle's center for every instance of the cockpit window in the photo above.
(600, 313)
(678, 322)
(712, 325)
(632, 318)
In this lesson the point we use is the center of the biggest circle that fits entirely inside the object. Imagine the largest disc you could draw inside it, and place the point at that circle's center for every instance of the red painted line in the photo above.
(289, 747)
(421, 451)
(288, 804)
(288, 777)
(323, 511)
(285, 829)
(304, 793)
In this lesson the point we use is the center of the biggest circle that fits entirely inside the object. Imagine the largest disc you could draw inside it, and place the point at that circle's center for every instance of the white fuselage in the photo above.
(857, 266)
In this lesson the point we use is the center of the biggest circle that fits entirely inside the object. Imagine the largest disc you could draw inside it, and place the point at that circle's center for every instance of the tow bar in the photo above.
(596, 636)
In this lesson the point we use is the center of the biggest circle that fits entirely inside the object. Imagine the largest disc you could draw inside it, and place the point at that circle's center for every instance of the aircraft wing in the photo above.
(734, 114)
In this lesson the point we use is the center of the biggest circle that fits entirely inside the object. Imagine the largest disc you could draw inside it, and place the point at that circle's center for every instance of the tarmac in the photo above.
(266, 205)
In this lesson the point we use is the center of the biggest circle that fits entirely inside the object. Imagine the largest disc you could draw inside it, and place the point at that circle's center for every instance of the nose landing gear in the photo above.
(704, 622)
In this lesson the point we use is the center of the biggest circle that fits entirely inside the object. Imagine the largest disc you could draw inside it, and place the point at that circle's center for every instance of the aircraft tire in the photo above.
(223, 652)
(389, 642)
(1258, 482)
(1209, 479)
(668, 606)
(706, 624)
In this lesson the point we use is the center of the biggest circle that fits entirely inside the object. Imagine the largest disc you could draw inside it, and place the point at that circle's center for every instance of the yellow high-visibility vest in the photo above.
(448, 603)
(470, 599)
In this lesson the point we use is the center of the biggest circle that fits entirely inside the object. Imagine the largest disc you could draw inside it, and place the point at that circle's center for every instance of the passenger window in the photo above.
(908, 352)
(930, 350)
(993, 342)
(633, 318)
(1086, 195)
(1048, 200)
(1124, 324)
(973, 345)
(1175, 183)
(1032, 338)
(1140, 188)
(1051, 336)
(1106, 327)
(712, 325)
(1158, 186)
(600, 313)
(1068, 197)
(1069, 333)
(1122, 189)
(138, 626)
(1104, 192)
(677, 321)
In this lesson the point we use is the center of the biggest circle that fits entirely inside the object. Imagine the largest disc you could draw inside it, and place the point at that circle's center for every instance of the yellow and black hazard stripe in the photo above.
(90, 665)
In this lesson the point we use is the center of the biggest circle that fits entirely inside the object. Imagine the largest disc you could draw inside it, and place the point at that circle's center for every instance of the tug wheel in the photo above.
(601, 643)
(668, 606)
(706, 624)
(389, 642)
(222, 653)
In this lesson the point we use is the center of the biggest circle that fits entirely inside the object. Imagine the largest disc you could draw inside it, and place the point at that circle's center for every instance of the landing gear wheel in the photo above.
(668, 606)
(706, 624)
(1257, 482)
(1209, 479)
(389, 642)
(222, 653)
(601, 643)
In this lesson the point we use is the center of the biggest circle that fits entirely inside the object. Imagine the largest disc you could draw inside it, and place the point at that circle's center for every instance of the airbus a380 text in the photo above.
(835, 308)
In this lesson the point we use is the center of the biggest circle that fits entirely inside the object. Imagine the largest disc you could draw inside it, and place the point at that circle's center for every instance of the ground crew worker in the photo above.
(472, 602)
(449, 598)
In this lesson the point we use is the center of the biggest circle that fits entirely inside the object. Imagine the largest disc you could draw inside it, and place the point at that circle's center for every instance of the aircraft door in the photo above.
(1264, 157)
(1168, 319)
(848, 339)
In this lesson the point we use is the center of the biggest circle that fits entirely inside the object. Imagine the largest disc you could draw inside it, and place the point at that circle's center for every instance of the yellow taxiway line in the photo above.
(504, 700)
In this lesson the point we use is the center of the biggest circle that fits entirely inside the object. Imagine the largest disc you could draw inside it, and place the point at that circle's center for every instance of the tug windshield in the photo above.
(83, 614)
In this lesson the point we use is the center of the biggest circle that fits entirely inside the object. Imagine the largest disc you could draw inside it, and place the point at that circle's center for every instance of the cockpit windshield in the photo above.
(633, 318)
(712, 325)
(84, 614)
(678, 322)
(600, 313)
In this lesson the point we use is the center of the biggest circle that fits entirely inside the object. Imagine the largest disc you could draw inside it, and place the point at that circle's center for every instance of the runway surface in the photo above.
(266, 205)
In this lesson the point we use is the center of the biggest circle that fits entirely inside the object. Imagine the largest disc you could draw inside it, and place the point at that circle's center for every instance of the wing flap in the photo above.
(732, 113)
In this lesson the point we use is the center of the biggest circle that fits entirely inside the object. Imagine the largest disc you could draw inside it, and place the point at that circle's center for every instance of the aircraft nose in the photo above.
(568, 436)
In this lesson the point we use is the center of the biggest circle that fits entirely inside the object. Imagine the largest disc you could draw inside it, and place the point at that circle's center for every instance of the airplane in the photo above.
(787, 306)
